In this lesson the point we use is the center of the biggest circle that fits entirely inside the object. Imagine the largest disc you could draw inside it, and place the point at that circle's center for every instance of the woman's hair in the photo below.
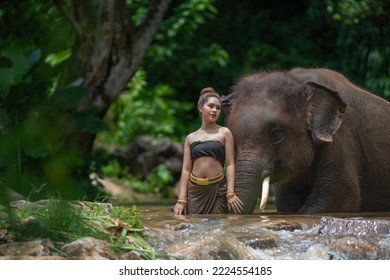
(205, 94)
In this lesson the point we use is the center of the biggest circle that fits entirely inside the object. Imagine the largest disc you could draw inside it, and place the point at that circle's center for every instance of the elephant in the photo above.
(319, 141)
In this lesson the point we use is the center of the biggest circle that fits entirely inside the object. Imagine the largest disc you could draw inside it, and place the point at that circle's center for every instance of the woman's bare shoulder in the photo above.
(225, 130)
(192, 136)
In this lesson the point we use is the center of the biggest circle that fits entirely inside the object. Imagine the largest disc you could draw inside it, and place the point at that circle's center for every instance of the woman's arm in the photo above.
(234, 203)
(229, 158)
(180, 206)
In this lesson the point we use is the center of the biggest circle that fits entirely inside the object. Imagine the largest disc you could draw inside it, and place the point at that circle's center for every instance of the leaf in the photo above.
(70, 95)
(13, 69)
(6, 81)
(57, 58)
(34, 56)
(89, 122)
(20, 64)
(38, 152)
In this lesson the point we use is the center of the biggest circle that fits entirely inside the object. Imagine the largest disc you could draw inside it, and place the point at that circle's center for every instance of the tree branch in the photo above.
(147, 29)
(61, 6)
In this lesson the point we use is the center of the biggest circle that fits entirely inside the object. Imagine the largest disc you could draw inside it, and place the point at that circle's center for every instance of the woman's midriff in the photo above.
(206, 167)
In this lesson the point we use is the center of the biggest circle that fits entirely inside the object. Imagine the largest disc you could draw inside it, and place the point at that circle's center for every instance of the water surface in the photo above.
(267, 235)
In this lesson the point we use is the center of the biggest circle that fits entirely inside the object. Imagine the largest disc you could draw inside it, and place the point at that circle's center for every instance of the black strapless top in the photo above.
(208, 149)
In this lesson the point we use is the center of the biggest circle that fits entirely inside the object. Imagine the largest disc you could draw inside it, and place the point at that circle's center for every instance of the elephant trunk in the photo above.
(248, 180)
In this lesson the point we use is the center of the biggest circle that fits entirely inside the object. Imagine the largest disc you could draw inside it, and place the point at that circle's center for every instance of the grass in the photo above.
(66, 221)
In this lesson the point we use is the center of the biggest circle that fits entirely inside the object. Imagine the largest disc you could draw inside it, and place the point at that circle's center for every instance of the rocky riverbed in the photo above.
(71, 230)
(49, 229)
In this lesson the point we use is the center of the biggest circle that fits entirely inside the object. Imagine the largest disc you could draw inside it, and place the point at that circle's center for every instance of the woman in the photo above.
(203, 186)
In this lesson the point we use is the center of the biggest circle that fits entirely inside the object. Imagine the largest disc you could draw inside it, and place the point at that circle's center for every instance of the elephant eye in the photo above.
(276, 135)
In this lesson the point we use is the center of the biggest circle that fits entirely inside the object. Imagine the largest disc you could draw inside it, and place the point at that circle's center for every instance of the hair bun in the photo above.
(205, 94)
(207, 90)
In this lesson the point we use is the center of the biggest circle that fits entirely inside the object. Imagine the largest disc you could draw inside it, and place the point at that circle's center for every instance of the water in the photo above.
(266, 235)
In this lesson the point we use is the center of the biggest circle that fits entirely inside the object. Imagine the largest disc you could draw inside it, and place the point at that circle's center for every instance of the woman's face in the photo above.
(211, 109)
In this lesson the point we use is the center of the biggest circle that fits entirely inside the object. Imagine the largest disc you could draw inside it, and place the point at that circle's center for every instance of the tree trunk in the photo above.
(107, 52)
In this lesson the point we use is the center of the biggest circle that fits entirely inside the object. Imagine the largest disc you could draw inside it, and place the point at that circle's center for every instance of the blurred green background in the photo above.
(78, 76)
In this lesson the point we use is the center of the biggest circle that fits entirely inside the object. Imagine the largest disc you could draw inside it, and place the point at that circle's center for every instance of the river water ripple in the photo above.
(266, 235)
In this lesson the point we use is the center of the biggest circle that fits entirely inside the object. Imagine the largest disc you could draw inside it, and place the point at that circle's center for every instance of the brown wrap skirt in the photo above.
(207, 199)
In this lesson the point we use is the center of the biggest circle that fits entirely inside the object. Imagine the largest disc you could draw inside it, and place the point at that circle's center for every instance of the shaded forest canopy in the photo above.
(76, 76)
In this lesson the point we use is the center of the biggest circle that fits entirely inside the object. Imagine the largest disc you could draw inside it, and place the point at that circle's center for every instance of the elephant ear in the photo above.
(327, 109)
(227, 102)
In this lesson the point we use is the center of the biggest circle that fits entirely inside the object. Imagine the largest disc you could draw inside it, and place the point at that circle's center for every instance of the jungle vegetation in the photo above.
(76, 75)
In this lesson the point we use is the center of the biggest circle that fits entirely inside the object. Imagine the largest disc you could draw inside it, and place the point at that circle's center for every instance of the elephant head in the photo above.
(278, 122)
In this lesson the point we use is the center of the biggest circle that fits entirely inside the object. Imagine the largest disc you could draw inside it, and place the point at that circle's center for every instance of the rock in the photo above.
(132, 255)
(88, 248)
(351, 248)
(278, 225)
(19, 204)
(36, 248)
(353, 226)
(210, 248)
(259, 242)
(6, 236)
(185, 226)
(146, 153)
(21, 257)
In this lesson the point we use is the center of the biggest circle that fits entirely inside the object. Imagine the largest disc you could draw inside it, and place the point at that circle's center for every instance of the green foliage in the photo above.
(38, 122)
(200, 43)
(138, 9)
(66, 221)
(127, 215)
(189, 62)
(142, 110)
(60, 221)
(177, 32)
(350, 12)
(35, 143)
(159, 181)
(363, 36)
(57, 58)
(13, 69)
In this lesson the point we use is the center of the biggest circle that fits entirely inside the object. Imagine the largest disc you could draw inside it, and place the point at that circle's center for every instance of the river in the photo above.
(266, 235)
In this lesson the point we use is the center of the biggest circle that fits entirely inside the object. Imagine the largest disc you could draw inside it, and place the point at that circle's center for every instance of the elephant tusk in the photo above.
(264, 193)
